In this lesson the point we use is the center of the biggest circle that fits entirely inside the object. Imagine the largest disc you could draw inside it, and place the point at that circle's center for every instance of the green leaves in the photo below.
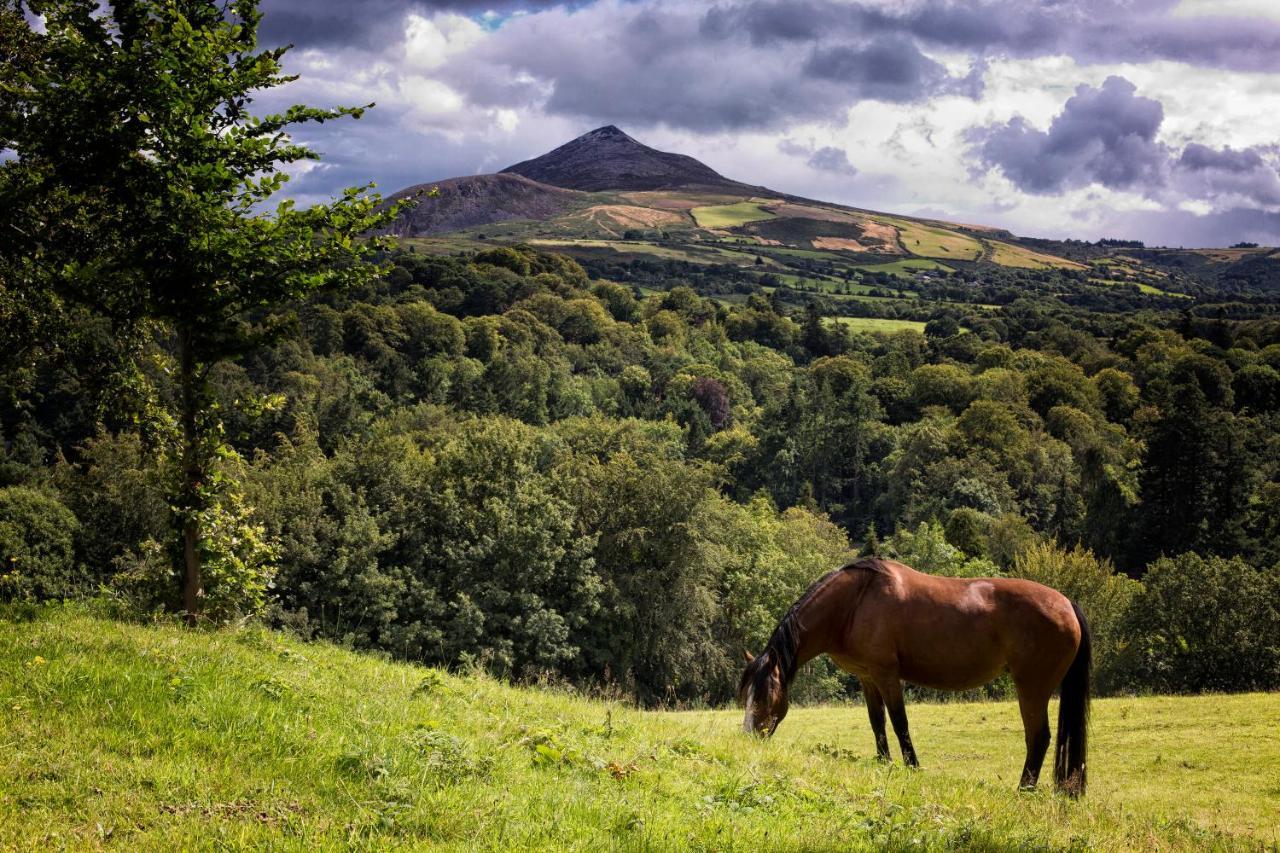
(148, 176)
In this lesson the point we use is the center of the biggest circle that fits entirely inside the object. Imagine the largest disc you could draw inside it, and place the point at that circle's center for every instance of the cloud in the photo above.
(1109, 136)
(891, 69)
(1093, 30)
(827, 158)
(1229, 177)
(1104, 135)
(893, 85)
(365, 24)
(662, 63)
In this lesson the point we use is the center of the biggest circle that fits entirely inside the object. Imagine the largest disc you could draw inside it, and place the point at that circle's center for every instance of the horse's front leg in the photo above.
(891, 690)
(875, 710)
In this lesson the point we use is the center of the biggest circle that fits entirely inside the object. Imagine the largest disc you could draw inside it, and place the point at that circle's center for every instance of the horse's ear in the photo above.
(746, 654)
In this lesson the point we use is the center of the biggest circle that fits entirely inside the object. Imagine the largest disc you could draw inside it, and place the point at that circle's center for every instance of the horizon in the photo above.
(1144, 119)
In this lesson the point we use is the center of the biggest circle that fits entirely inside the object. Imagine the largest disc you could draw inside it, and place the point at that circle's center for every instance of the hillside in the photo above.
(479, 200)
(119, 735)
(608, 199)
(608, 159)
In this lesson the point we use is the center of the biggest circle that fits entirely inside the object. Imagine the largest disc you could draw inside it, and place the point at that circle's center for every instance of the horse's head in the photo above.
(763, 693)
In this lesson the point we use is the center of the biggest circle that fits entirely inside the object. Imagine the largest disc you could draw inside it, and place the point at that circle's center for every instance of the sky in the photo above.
(1156, 120)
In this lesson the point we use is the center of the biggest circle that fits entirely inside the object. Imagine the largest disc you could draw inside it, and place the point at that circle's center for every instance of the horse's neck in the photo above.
(823, 618)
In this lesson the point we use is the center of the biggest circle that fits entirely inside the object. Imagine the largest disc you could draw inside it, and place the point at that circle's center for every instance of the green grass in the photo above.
(729, 215)
(1009, 255)
(157, 738)
(878, 324)
(904, 268)
(931, 241)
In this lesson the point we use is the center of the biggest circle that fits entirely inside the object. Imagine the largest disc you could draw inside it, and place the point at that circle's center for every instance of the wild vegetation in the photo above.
(156, 737)
(616, 472)
(538, 451)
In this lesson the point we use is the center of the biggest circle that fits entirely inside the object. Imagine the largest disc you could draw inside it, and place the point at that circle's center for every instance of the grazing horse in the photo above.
(887, 623)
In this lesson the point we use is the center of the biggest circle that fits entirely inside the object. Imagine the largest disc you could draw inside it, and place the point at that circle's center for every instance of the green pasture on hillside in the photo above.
(729, 215)
(131, 737)
(878, 324)
(931, 241)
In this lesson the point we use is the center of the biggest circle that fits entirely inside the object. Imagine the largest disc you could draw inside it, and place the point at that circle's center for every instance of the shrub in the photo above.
(1091, 582)
(926, 549)
(37, 547)
(1205, 623)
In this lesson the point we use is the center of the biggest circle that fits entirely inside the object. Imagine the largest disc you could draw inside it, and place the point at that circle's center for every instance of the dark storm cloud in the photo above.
(1243, 175)
(363, 24)
(656, 65)
(891, 69)
(1088, 30)
(825, 159)
(1104, 135)
(1107, 136)
(829, 159)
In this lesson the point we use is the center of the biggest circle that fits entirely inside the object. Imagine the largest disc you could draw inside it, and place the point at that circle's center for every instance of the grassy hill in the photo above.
(119, 735)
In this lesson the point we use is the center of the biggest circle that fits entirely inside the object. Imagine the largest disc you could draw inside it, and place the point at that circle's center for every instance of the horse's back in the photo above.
(938, 622)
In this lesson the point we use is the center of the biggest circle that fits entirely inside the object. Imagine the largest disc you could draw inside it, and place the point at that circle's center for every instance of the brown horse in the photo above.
(887, 623)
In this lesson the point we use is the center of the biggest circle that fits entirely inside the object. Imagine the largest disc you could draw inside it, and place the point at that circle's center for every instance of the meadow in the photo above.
(931, 241)
(154, 737)
(878, 324)
(1009, 255)
(729, 215)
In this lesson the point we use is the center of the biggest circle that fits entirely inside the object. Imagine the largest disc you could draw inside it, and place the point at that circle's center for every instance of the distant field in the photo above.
(1009, 255)
(674, 253)
(930, 241)
(729, 215)
(1141, 285)
(878, 324)
(826, 284)
(130, 737)
(904, 268)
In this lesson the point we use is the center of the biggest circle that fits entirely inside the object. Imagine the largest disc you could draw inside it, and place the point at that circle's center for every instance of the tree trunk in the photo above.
(191, 492)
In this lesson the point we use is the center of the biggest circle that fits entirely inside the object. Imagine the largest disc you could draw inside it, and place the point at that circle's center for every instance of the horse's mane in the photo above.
(784, 646)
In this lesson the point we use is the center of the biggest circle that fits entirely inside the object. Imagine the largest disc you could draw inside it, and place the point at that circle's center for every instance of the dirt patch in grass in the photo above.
(612, 216)
(878, 231)
(840, 243)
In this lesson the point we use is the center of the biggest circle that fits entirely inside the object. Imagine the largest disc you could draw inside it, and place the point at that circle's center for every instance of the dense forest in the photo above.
(496, 459)
(614, 479)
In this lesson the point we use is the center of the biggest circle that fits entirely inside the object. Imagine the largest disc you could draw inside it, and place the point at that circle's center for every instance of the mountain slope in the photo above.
(152, 737)
(608, 159)
(480, 200)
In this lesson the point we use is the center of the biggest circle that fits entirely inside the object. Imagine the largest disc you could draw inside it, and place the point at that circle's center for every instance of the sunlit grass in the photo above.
(1009, 255)
(160, 738)
(931, 241)
(729, 215)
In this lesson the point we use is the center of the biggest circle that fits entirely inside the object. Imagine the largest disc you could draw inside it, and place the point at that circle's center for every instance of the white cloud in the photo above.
(430, 42)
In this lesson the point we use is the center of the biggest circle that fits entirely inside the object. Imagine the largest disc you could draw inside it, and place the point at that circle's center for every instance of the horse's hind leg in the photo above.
(891, 690)
(1033, 702)
(875, 710)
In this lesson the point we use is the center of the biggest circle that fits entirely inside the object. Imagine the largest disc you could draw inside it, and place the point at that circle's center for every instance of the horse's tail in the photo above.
(1073, 716)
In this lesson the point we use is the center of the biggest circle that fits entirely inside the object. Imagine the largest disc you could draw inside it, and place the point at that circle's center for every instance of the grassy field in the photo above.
(930, 241)
(1009, 255)
(729, 215)
(905, 268)
(878, 324)
(156, 738)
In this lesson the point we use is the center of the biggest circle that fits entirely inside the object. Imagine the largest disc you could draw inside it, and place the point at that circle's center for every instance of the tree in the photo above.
(139, 189)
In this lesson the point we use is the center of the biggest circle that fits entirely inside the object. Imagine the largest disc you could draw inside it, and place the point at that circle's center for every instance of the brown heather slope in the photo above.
(481, 200)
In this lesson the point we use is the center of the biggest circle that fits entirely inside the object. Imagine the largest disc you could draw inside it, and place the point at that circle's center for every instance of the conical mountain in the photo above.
(608, 159)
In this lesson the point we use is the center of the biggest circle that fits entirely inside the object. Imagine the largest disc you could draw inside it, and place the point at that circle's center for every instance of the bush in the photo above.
(1205, 623)
(37, 547)
(927, 550)
(1104, 596)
